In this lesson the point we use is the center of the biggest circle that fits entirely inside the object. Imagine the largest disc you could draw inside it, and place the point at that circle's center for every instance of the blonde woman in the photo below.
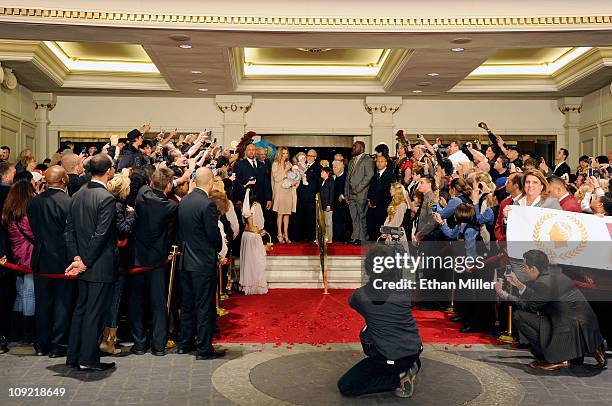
(285, 199)
(396, 210)
(118, 186)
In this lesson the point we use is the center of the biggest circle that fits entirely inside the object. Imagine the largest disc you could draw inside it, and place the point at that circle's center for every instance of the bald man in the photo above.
(76, 177)
(47, 214)
(201, 242)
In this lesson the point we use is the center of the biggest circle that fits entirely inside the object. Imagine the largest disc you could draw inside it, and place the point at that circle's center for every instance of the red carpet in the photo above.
(310, 248)
(308, 316)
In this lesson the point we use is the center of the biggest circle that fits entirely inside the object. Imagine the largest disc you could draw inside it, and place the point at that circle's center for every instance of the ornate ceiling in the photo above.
(223, 49)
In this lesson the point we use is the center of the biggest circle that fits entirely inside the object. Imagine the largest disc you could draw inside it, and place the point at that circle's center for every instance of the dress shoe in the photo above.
(100, 366)
(456, 319)
(545, 366)
(138, 351)
(467, 329)
(158, 353)
(357, 242)
(72, 365)
(349, 242)
(40, 353)
(600, 357)
(57, 353)
(3, 349)
(185, 349)
(211, 355)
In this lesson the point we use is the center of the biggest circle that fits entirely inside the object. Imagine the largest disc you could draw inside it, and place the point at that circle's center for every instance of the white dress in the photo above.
(253, 279)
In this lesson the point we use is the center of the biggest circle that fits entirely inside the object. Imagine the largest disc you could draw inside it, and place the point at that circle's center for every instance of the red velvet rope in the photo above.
(24, 270)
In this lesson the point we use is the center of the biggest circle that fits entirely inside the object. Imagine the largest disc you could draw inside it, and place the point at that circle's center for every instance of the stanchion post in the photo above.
(507, 336)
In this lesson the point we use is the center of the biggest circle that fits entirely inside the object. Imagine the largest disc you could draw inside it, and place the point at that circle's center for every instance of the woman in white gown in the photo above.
(253, 279)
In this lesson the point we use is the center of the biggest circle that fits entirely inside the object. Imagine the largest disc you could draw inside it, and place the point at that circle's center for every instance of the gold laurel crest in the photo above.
(584, 235)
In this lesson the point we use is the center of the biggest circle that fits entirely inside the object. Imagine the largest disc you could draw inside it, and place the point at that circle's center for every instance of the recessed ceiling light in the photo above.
(200, 81)
(417, 91)
(458, 49)
(196, 72)
(424, 84)
(185, 46)
(461, 40)
(433, 74)
(203, 90)
(179, 37)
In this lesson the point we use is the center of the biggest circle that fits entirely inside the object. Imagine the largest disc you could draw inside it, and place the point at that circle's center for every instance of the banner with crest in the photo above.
(566, 237)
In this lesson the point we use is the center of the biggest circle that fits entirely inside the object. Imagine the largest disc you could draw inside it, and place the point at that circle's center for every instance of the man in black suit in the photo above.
(306, 204)
(379, 197)
(561, 167)
(341, 214)
(91, 239)
(553, 316)
(264, 188)
(247, 176)
(154, 215)
(201, 243)
(7, 278)
(47, 213)
(76, 178)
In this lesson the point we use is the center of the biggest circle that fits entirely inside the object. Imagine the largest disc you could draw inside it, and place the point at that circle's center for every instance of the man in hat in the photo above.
(130, 156)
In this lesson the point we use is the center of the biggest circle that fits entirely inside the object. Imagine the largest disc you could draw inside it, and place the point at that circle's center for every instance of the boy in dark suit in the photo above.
(327, 200)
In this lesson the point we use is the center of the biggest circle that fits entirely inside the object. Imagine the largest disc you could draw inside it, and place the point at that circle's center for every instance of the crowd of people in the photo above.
(95, 227)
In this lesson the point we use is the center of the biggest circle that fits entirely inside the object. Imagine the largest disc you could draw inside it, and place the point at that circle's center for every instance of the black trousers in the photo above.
(148, 288)
(374, 375)
(304, 222)
(341, 220)
(528, 327)
(93, 301)
(198, 309)
(7, 299)
(54, 306)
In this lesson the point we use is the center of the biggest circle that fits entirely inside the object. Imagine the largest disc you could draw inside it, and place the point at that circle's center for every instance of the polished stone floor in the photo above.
(272, 374)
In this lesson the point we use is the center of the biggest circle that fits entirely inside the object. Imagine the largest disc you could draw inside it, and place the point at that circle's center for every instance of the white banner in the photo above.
(566, 237)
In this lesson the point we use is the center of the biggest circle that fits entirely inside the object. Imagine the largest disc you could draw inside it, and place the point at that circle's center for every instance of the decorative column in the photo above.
(234, 109)
(43, 104)
(382, 108)
(570, 107)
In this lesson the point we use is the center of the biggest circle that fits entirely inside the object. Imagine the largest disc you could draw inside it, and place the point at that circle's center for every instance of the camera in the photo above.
(395, 233)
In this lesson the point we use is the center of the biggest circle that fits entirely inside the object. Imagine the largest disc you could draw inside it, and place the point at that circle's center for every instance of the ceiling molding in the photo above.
(238, 22)
(581, 68)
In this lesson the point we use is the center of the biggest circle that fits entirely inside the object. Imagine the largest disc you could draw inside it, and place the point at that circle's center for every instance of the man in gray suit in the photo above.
(360, 174)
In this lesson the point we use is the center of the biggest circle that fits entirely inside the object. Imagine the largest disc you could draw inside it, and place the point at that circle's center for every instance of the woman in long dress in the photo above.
(252, 250)
(284, 193)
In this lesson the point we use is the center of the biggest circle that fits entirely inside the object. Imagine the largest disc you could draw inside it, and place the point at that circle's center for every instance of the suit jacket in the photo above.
(75, 182)
(339, 186)
(562, 169)
(154, 213)
(47, 213)
(327, 193)
(360, 173)
(199, 233)
(91, 233)
(378, 192)
(4, 189)
(263, 187)
(244, 172)
(569, 203)
(568, 325)
(308, 192)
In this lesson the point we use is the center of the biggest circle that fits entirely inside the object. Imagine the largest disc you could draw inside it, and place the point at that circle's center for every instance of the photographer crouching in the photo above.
(390, 339)
(552, 316)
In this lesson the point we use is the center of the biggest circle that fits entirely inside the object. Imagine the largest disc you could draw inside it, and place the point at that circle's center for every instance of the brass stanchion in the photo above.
(507, 336)
(172, 257)
(451, 309)
(220, 310)
(322, 242)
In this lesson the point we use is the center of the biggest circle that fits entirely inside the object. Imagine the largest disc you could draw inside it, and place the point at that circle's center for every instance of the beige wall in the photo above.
(596, 123)
(17, 124)
(303, 116)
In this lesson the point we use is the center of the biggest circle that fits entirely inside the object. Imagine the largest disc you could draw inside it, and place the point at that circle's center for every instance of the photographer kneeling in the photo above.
(390, 338)
(553, 316)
